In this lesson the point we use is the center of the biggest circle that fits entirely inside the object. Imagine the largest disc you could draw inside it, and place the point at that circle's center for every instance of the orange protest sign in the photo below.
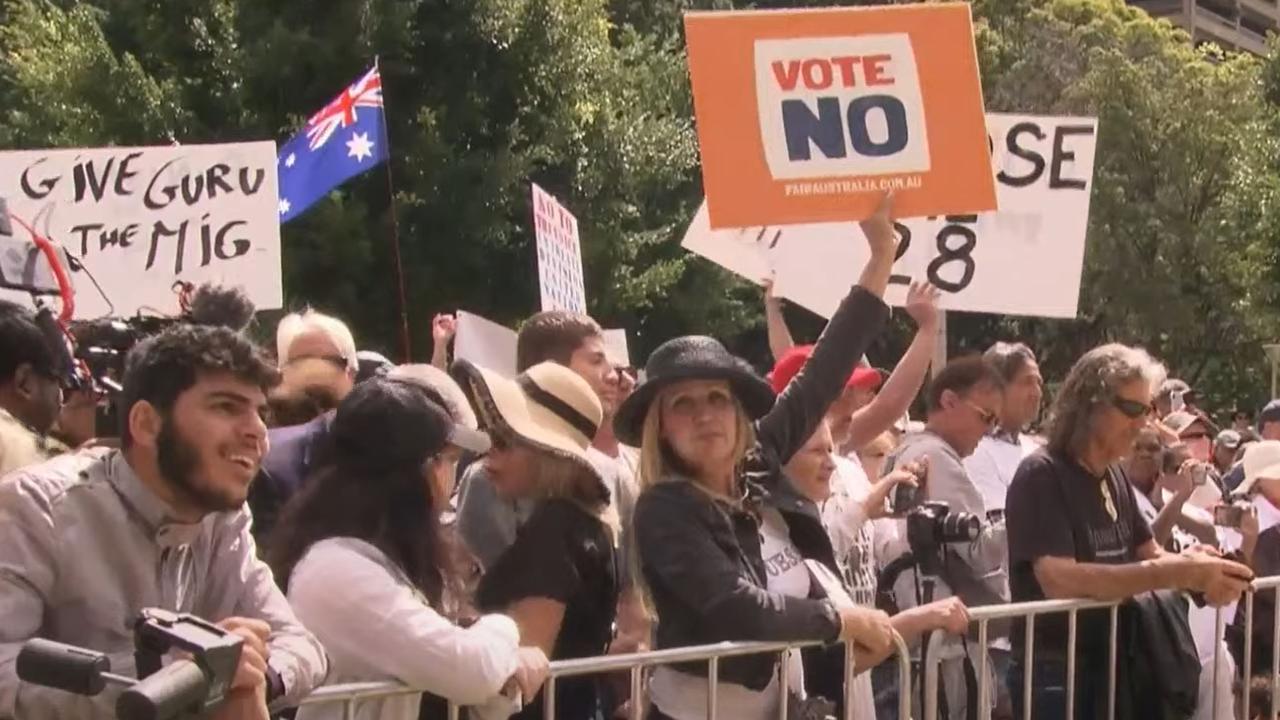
(808, 115)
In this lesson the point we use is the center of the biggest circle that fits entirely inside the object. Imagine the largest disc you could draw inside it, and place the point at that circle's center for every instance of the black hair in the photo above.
(961, 376)
(387, 504)
(22, 343)
(164, 366)
(228, 307)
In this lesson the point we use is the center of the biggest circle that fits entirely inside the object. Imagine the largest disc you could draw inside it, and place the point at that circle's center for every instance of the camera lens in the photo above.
(959, 527)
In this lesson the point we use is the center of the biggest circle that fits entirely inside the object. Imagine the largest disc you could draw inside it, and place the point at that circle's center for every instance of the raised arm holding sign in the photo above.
(809, 115)
(1025, 259)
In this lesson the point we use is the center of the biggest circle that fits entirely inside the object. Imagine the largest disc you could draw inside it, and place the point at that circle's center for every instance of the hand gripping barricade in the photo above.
(1027, 612)
(190, 687)
(352, 694)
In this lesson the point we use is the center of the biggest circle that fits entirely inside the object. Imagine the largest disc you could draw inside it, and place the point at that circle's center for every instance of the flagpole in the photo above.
(406, 348)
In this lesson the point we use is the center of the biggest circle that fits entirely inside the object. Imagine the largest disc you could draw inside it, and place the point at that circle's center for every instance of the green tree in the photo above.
(1182, 235)
(590, 99)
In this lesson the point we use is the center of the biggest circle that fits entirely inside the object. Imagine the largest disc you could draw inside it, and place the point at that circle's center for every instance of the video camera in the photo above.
(91, 354)
(185, 689)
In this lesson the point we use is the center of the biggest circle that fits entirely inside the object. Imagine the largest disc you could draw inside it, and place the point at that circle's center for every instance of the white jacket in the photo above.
(377, 627)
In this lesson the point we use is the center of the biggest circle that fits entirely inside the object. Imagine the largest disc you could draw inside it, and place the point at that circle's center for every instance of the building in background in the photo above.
(1231, 24)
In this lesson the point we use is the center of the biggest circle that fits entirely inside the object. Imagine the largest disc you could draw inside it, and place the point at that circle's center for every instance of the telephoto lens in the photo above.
(959, 527)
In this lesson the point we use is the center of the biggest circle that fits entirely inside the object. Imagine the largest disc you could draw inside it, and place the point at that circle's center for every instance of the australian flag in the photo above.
(341, 141)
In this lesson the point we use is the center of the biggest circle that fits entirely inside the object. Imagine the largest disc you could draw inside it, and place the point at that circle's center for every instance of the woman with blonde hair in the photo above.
(559, 579)
(713, 443)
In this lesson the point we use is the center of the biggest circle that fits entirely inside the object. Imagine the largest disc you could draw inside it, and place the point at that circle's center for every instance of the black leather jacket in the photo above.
(701, 556)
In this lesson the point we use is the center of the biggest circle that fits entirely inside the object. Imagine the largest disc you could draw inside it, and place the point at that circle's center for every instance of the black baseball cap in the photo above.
(383, 423)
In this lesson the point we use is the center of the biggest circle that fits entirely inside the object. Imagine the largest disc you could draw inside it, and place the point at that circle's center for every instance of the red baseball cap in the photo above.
(863, 377)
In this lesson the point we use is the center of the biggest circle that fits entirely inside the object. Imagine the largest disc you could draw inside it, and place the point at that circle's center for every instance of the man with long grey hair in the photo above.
(1074, 528)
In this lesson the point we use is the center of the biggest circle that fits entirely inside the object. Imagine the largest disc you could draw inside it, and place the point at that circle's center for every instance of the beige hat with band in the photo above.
(549, 406)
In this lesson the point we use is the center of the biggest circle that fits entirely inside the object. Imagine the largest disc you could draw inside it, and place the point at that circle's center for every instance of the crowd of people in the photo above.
(456, 530)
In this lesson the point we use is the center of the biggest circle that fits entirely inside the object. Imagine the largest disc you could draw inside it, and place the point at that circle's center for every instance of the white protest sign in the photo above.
(142, 219)
(615, 347)
(1025, 259)
(559, 254)
(485, 343)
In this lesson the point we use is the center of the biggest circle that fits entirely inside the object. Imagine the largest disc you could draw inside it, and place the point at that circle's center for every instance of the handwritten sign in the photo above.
(141, 219)
(808, 115)
(1025, 259)
(559, 255)
(485, 343)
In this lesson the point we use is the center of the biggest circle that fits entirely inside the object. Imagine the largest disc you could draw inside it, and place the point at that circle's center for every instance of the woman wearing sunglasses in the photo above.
(559, 579)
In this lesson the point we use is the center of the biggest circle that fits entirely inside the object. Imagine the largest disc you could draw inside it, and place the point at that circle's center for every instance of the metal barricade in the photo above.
(351, 694)
(1271, 584)
(1029, 611)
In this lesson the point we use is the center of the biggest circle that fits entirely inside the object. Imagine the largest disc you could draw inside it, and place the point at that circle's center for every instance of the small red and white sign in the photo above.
(559, 254)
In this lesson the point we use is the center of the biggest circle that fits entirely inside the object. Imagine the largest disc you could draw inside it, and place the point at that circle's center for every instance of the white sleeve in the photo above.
(365, 617)
(843, 517)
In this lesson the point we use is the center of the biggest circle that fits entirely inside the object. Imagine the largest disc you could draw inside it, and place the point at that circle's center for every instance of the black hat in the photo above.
(693, 357)
(383, 423)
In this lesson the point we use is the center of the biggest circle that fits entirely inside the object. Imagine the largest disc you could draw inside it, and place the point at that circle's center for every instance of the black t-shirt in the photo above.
(1056, 508)
(565, 554)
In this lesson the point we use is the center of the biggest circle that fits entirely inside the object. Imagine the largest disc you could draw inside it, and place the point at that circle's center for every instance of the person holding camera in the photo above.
(952, 550)
(88, 540)
(713, 443)
(30, 390)
(366, 564)
(1075, 531)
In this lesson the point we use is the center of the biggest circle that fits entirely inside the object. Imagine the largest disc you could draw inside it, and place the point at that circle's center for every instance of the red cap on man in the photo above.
(864, 377)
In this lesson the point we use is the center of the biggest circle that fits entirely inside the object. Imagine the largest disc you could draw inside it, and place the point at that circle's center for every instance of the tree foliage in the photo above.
(590, 99)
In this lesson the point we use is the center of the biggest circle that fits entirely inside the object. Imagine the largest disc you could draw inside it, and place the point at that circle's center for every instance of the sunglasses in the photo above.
(1195, 436)
(1132, 409)
(989, 417)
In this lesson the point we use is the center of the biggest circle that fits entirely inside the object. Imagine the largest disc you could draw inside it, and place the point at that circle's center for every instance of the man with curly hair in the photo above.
(88, 540)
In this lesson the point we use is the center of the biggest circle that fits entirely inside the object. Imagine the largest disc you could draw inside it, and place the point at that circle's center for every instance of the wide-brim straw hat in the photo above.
(548, 407)
(693, 357)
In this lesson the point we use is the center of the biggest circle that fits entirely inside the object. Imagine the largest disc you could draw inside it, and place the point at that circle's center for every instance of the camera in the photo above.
(1200, 474)
(189, 687)
(904, 499)
(1230, 516)
(907, 496)
(932, 524)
